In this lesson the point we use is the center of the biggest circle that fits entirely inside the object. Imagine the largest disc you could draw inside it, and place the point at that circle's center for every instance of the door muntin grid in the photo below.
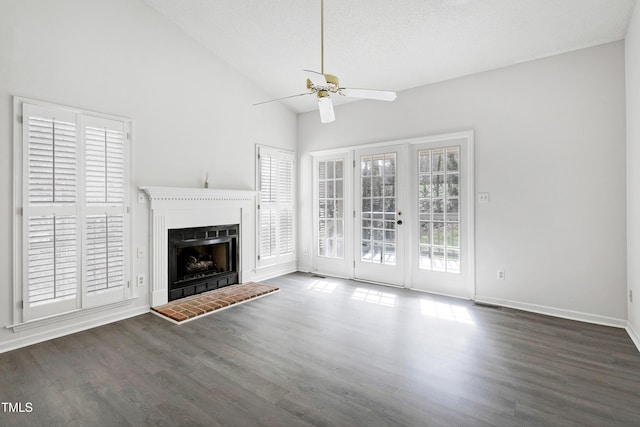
(439, 209)
(378, 177)
(331, 209)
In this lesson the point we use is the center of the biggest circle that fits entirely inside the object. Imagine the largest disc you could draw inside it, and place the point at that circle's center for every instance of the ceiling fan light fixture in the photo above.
(325, 107)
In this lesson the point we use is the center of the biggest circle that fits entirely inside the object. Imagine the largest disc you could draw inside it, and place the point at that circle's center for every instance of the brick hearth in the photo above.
(198, 305)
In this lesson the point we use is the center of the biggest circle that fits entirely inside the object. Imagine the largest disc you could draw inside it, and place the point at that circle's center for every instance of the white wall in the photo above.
(550, 149)
(191, 113)
(632, 45)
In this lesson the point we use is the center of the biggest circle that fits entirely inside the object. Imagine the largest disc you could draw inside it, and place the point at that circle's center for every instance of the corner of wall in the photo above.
(632, 80)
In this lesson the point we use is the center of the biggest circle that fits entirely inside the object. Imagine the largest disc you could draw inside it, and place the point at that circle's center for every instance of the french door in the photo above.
(412, 222)
(379, 219)
(441, 235)
(414, 216)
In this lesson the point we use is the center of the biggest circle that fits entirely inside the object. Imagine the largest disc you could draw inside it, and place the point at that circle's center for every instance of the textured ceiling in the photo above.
(389, 44)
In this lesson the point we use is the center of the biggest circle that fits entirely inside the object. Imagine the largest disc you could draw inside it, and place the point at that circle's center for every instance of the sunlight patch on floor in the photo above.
(374, 297)
(445, 311)
(323, 286)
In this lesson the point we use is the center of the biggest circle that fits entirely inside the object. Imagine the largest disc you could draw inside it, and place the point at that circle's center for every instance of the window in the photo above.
(330, 209)
(74, 221)
(276, 213)
(439, 209)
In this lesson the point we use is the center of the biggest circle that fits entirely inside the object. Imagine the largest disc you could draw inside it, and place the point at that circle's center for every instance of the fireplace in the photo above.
(202, 259)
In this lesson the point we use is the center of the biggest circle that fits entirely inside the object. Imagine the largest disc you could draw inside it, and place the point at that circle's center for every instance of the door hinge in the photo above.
(258, 257)
(354, 163)
(20, 119)
(21, 304)
(128, 284)
(128, 209)
(128, 136)
(258, 156)
(354, 263)
(258, 206)
(354, 213)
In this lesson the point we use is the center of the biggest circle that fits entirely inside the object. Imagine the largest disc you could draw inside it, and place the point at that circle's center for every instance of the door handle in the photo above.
(399, 222)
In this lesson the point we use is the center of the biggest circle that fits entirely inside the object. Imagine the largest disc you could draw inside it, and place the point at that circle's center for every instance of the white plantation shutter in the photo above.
(276, 228)
(74, 173)
(104, 226)
(50, 221)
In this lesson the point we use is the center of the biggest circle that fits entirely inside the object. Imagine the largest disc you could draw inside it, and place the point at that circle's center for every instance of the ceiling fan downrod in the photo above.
(322, 36)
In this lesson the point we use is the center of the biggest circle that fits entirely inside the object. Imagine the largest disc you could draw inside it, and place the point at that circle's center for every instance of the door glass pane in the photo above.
(439, 209)
(378, 195)
(339, 172)
(425, 257)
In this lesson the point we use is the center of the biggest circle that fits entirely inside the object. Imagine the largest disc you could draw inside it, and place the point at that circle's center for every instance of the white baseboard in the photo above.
(635, 337)
(556, 312)
(304, 268)
(271, 272)
(51, 333)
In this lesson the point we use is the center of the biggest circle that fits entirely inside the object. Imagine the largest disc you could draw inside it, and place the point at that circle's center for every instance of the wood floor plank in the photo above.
(318, 353)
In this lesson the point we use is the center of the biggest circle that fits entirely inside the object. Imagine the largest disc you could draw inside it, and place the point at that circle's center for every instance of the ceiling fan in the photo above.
(323, 85)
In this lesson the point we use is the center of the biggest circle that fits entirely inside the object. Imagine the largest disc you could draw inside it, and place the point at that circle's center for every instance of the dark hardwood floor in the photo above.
(336, 353)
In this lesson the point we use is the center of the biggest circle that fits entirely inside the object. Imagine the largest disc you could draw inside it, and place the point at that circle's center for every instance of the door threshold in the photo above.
(373, 282)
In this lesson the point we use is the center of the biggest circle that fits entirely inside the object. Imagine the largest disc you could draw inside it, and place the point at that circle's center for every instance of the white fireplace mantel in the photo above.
(175, 207)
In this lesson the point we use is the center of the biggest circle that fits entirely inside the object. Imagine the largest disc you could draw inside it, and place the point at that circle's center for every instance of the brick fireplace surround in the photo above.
(174, 207)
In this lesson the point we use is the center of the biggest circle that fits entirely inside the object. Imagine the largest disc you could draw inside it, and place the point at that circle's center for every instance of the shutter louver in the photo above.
(286, 232)
(52, 258)
(52, 161)
(285, 201)
(285, 181)
(105, 252)
(268, 179)
(267, 233)
(104, 166)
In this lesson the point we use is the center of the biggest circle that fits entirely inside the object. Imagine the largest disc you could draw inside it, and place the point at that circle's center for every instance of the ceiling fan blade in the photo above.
(280, 99)
(325, 106)
(318, 79)
(380, 95)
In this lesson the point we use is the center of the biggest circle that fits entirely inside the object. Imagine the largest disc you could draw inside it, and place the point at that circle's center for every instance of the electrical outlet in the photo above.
(140, 280)
(500, 275)
(483, 198)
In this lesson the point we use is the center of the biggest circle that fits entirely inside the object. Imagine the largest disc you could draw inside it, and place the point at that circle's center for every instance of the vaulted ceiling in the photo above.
(389, 44)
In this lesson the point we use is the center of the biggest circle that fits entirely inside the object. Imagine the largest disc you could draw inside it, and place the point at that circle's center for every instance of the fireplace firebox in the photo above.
(202, 259)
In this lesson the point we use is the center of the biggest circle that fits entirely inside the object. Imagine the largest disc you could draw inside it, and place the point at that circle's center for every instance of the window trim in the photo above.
(20, 187)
